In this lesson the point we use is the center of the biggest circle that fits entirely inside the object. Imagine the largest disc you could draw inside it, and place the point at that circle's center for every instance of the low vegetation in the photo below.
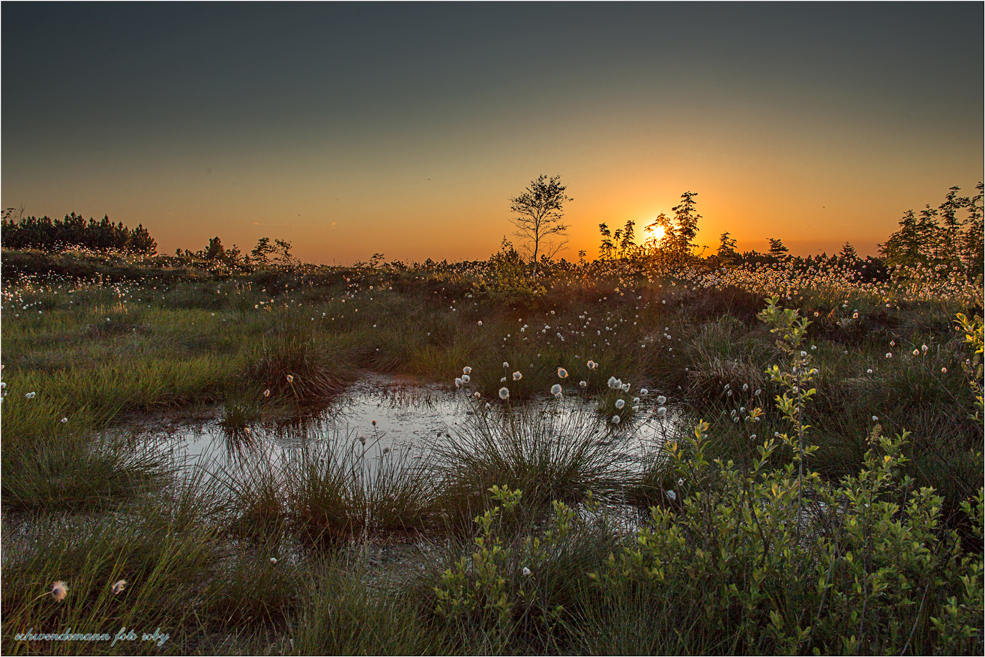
(819, 489)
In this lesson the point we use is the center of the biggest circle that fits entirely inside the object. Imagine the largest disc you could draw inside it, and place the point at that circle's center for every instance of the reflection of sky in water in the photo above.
(409, 416)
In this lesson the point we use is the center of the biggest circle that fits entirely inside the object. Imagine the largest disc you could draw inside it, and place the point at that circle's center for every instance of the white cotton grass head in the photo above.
(504, 393)
(616, 419)
(119, 586)
(562, 373)
(620, 403)
(526, 572)
(290, 378)
(466, 370)
(644, 392)
(506, 365)
(466, 378)
(556, 389)
(59, 590)
(583, 384)
(662, 411)
(672, 495)
(458, 382)
(517, 376)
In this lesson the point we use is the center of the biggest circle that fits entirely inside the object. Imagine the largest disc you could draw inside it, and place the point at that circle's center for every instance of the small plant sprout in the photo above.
(119, 587)
(517, 376)
(504, 393)
(562, 373)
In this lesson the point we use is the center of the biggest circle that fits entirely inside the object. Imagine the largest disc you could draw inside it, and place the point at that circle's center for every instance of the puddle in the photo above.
(384, 413)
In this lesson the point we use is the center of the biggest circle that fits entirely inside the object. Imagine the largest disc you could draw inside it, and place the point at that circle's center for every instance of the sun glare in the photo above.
(657, 232)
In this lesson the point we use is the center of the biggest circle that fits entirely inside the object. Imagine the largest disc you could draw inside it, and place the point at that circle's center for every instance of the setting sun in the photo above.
(656, 232)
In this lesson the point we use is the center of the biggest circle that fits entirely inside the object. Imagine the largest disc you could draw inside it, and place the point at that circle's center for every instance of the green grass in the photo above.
(338, 548)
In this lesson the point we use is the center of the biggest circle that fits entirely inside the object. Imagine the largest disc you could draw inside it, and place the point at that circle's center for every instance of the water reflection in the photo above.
(386, 414)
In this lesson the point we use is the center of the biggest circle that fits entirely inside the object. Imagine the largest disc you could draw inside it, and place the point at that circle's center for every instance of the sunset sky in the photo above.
(404, 129)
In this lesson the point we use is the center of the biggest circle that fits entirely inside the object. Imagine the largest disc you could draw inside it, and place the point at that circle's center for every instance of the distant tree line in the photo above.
(46, 234)
(951, 235)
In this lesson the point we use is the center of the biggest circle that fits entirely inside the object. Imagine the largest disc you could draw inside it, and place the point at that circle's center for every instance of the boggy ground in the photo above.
(874, 545)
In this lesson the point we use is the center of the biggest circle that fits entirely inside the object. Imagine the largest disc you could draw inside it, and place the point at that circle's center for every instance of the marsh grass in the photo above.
(66, 470)
(549, 453)
(161, 566)
(342, 615)
(718, 572)
(294, 364)
(343, 488)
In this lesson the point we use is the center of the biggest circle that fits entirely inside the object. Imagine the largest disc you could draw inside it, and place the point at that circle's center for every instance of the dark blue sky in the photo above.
(348, 128)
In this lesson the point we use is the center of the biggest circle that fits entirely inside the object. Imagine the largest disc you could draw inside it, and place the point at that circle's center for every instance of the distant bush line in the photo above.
(47, 234)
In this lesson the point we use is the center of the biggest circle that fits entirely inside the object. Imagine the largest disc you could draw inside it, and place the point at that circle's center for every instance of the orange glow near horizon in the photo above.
(405, 129)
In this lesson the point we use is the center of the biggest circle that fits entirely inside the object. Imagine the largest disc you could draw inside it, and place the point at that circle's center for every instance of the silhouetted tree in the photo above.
(606, 248)
(686, 224)
(973, 239)
(777, 248)
(141, 242)
(54, 235)
(939, 236)
(848, 253)
(262, 250)
(214, 250)
(668, 232)
(538, 211)
(726, 246)
(626, 244)
(283, 250)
